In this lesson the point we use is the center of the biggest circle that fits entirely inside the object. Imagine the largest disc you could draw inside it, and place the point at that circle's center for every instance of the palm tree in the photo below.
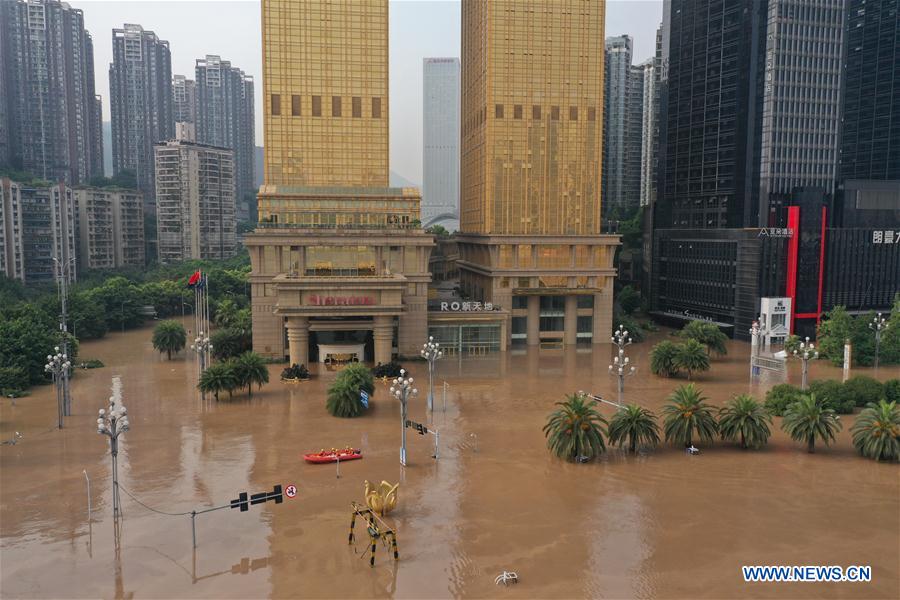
(575, 430)
(635, 424)
(344, 394)
(226, 313)
(807, 418)
(250, 368)
(169, 337)
(218, 377)
(687, 412)
(692, 357)
(746, 418)
(707, 334)
(876, 432)
(662, 359)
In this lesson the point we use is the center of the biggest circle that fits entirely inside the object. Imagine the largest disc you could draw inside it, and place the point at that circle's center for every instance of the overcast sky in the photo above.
(230, 28)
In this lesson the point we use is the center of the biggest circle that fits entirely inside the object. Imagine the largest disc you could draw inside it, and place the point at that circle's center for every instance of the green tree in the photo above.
(862, 390)
(691, 357)
(634, 424)
(876, 432)
(808, 419)
(228, 343)
(892, 390)
(780, 397)
(745, 418)
(438, 230)
(344, 394)
(218, 377)
(169, 337)
(687, 413)
(13, 380)
(792, 343)
(575, 430)
(629, 300)
(833, 395)
(250, 368)
(707, 334)
(86, 317)
(663, 359)
(25, 341)
(226, 313)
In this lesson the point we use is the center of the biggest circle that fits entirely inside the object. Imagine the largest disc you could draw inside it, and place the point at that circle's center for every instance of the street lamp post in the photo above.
(621, 366)
(878, 325)
(203, 347)
(112, 423)
(757, 335)
(58, 365)
(431, 352)
(63, 270)
(402, 389)
(806, 353)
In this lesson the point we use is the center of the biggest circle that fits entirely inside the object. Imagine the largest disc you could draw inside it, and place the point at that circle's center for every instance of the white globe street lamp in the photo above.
(806, 352)
(203, 347)
(402, 390)
(621, 366)
(878, 325)
(113, 422)
(431, 352)
(58, 365)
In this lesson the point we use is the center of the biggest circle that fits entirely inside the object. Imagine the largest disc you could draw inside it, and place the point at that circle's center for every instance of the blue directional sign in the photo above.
(364, 398)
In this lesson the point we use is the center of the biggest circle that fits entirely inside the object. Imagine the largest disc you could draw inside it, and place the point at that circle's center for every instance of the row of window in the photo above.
(517, 112)
(356, 108)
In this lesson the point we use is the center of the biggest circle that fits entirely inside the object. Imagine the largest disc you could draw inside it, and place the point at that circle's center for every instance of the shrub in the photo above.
(833, 395)
(662, 359)
(295, 372)
(391, 369)
(863, 390)
(343, 395)
(780, 397)
(91, 363)
(631, 326)
(892, 390)
(629, 300)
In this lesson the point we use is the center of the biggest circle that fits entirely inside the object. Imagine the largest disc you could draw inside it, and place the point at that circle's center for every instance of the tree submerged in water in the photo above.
(636, 426)
(807, 419)
(575, 430)
(169, 337)
(344, 394)
(686, 414)
(876, 432)
(746, 419)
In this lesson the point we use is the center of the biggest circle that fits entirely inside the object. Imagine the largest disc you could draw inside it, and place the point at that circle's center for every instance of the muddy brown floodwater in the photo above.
(662, 524)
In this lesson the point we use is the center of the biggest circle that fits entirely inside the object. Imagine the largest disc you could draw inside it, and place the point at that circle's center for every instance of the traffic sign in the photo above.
(364, 398)
(290, 491)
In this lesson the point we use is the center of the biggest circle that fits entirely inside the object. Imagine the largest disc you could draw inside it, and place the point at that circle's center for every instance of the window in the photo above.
(335, 106)
(517, 111)
(519, 326)
(317, 106)
(357, 107)
(520, 301)
(554, 113)
(536, 112)
(276, 104)
(295, 105)
(585, 301)
(592, 113)
(573, 113)
(376, 108)
(585, 327)
(498, 111)
(551, 324)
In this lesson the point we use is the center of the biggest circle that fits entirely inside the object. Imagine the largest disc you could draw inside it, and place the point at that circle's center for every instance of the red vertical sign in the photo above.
(793, 247)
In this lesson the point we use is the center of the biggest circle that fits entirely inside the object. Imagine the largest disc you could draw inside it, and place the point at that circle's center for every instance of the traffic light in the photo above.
(241, 502)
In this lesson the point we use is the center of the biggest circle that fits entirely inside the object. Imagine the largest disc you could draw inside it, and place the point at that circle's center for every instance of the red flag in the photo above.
(194, 279)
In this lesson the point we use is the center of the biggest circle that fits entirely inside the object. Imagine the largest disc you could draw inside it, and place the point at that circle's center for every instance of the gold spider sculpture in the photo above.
(382, 499)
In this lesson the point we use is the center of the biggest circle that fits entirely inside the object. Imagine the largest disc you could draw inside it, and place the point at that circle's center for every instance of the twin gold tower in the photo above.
(338, 253)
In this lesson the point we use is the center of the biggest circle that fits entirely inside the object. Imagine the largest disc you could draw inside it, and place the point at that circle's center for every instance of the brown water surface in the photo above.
(661, 524)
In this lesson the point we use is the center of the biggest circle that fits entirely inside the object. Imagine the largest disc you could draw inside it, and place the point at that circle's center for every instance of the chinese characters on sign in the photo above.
(466, 306)
(315, 300)
(887, 236)
(784, 232)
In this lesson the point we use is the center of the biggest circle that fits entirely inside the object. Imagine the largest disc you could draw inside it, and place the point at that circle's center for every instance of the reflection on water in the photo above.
(661, 524)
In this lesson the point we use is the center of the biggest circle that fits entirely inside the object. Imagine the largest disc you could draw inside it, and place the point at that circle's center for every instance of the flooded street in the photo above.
(661, 525)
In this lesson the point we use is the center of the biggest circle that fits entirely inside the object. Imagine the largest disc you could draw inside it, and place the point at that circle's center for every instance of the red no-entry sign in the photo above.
(290, 491)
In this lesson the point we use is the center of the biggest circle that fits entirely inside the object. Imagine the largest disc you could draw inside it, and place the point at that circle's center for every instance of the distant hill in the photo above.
(400, 181)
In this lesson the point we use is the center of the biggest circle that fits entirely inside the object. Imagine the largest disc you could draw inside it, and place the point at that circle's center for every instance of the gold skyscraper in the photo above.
(532, 125)
(339, 259)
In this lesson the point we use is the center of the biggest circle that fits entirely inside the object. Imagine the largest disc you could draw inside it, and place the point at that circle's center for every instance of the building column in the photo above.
(533, 322)
(298, 340)
(383, 333)
(570, 321)
(504, 334)
(603, 313)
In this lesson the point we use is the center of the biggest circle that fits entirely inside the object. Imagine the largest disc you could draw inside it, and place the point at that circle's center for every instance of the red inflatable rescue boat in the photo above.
(327, 456)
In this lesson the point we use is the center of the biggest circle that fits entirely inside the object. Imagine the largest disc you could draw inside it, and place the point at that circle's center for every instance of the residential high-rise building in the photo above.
(140, 94)
(184, 99)
(532, 145)
(440, 147)
(194, 201)
(649, 133)
(38, 226)
(622, 119)
(339, 260)
(225, 118)
(50, 122)
(110, 228)
(870, 135)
